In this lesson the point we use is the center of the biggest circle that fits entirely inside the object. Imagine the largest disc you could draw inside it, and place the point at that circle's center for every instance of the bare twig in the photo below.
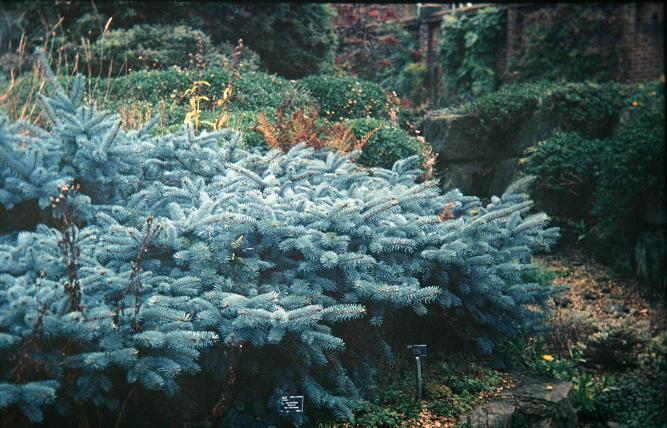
(134, 285)
(68, 242)
(121, 414)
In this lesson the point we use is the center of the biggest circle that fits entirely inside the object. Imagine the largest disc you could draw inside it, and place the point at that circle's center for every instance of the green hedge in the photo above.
(588, 108)
(154, 47)
(253, 91)
(347, 97)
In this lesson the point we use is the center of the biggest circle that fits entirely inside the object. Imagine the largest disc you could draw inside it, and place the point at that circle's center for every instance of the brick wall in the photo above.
(643, 41)
(642, 37)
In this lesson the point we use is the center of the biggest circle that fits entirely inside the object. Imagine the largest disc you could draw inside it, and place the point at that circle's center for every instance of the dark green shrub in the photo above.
(155, 47)
(588, 108)
(504, 110)
(150, 85)
(292, 39)
(386, 146)
(632, 166)
(607, 183)
(566, 165)
(347, 97)
(253, 91)
(250, 60)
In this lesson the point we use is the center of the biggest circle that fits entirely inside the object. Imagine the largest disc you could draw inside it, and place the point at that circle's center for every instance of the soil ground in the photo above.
(595, 294)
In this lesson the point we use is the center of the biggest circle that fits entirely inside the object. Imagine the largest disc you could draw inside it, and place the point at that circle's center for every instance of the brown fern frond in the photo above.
(366, 138)
(268, 131)
(429, 157)
(341, 138)
(299, 126)
(447, 212)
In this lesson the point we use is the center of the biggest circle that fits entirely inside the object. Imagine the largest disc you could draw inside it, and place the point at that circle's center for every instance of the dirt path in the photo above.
(596, 301)
(609, 299)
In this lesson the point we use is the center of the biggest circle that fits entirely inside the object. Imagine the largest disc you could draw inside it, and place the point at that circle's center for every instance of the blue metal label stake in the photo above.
(418, 351)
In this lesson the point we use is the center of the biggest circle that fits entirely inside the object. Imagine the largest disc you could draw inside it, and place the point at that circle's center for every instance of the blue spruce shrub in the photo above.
(191, 253)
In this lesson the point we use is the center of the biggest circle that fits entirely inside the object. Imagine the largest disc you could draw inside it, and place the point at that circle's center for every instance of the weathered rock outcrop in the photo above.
(466, 163)
(535, 402)
(481, 168)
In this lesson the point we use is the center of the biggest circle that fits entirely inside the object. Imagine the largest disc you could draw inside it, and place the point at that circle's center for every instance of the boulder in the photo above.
(471, 178)
(481, 168)
(449, 136)
(531, 132)
(493, 414)
(506, 171)
(535, 401)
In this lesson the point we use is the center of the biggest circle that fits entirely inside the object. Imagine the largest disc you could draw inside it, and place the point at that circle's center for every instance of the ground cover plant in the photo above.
(172, 254)
(454, 384)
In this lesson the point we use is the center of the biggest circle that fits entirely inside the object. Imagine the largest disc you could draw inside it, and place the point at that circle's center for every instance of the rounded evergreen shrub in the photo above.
(155, 47)
(255, 90)
(252, 91)
(149, 85)
(347, 97)
(387, 145)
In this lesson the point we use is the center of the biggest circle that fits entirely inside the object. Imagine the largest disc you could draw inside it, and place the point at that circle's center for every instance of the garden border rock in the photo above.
(536, 401)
